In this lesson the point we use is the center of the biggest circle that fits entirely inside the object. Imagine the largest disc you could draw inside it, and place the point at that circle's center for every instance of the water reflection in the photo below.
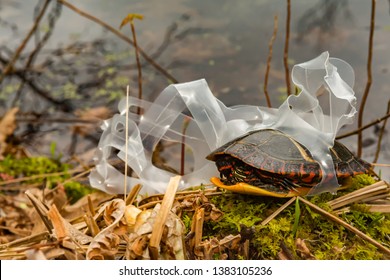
(322, 16)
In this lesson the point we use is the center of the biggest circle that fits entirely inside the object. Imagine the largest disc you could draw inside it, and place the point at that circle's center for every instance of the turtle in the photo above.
(272, 163)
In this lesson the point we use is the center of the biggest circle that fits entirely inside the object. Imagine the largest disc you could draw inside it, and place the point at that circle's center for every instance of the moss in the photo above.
(26, 167)
(362, 180)
(75, 190)
(325, 239)
(31, 166)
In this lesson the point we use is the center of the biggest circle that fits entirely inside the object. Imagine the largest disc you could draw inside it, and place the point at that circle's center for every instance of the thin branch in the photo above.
(22, 75)
(270, 45)
(53, 16)
(138, 65)
(123, 37)
(46, 119)
(363, 127)
(380, 137)
(186, 122)
(40, 176)
(286, 43)
(18, 51)
(369, 77)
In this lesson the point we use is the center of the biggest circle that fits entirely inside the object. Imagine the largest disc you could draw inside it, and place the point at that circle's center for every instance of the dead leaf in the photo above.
(213, 213)
(64, 229)
(137, 249)
(7, 127)
(103, 247)
(34, 254)
(131, 214)
(210, 247)
(114, 211)
(58, 223)
(105, 243)
(303, 251)
(92, 116)
(171, 244)
(79, 208)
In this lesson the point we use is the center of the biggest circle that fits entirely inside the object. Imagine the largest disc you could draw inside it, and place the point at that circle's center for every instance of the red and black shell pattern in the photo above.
(269, 156)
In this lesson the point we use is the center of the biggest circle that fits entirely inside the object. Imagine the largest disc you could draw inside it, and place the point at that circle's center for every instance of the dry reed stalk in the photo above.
(277, 212)
(36, 238)
(347, 226)
(197, 226)
(375, 189)
(133, 194)
(158, 227)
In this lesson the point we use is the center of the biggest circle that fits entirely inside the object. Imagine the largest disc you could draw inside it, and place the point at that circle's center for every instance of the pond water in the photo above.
(82, 65)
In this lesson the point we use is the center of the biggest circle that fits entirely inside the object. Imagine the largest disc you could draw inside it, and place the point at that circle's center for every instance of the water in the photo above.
(224, 41)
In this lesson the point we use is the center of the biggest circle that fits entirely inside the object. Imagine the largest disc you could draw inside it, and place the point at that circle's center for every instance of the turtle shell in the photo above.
(270, 157)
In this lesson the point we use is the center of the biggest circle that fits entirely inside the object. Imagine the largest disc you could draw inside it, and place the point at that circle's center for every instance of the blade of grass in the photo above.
(297, 216)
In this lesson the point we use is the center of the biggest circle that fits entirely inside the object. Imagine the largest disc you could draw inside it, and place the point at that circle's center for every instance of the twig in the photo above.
(133, 194)
(381, 132)
(277, 212)
(270, 45)
(138, 65)
(52, 20)
(80, 175)
(347, 226)
(369, 77)
(18, 51)
(186, 122)
(123, 37)
(363, 127)
(39, 176)
(130, 19)
(32, 84)
(26, 240)
(46, 119)
(286, 43)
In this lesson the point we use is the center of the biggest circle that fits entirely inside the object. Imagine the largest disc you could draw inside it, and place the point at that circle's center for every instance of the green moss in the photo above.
(75, 190)
(32, 166)
(362, 180)
(325, 239)
(26, 167)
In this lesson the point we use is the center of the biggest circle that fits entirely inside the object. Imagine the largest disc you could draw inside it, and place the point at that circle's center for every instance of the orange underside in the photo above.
(245, 188)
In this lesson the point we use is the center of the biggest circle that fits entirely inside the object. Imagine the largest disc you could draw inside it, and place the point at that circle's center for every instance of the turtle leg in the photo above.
(289, 185)
(225, 168)
(282, 182)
